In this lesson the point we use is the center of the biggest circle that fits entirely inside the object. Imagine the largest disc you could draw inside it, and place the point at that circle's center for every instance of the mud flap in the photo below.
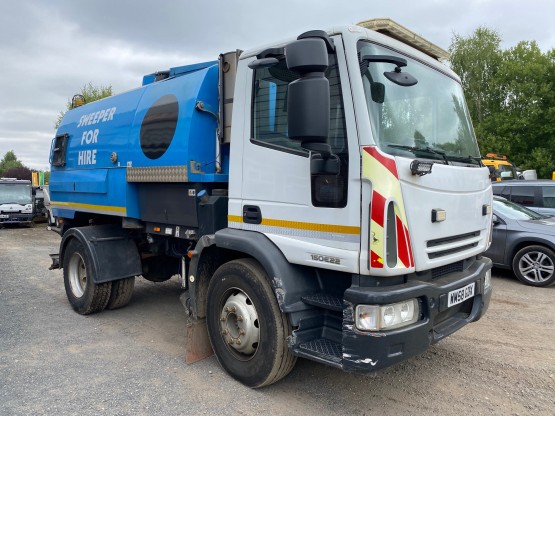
(197, 342)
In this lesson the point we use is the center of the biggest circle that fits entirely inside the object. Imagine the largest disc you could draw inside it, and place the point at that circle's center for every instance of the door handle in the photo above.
(252, 214)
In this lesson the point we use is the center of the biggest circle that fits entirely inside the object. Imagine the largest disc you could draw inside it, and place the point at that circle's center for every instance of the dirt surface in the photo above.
(131, 361)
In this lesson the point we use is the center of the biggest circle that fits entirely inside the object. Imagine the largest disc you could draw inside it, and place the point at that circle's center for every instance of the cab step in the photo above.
(318, 336)
(322, 350)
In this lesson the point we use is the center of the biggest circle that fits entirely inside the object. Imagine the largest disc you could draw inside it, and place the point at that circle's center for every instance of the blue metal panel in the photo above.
(195, 134)
(107, 136)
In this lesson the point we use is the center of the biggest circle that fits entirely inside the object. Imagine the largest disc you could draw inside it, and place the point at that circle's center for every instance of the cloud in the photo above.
(49, 50)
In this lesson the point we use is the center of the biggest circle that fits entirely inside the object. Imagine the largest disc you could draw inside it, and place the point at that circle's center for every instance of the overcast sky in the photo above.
(50, 49)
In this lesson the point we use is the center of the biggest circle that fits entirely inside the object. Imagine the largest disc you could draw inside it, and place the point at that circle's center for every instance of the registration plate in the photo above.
(460, 295)
(4, 216)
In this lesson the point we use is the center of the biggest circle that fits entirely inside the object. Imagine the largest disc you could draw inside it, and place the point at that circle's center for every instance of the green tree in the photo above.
(527, 122)
(90, 93)
(476, 59)
(511, 97)
(19, 173)
(542, 160)
(9, 162)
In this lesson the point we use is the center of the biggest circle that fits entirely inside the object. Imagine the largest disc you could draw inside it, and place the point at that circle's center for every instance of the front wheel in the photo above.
(85, 296)
(247, 330)
(535, 265)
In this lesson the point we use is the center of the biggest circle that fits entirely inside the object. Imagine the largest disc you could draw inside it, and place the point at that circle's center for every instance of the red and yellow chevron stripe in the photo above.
(381, 170)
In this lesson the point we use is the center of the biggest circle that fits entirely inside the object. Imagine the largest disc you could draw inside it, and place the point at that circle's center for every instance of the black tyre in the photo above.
(122, 291)
(535, 265)
(85, 296)
(247, 330)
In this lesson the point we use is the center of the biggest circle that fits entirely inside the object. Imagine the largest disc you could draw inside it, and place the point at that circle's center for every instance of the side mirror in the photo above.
(400, 78)
(308, 98)
(397, 76)
(495, 220)
(377, 92)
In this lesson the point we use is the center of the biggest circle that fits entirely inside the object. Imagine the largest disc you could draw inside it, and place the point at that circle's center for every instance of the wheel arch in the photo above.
(289, 281)
(113, 252)
(527, 242)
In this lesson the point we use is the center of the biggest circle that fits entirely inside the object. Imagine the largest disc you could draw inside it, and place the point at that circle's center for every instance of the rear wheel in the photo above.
(85, 296)
(247, 330)
(122, 291)
(535, 265)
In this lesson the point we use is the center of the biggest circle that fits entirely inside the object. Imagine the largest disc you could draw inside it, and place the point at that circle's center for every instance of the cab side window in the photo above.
(269, 108)
(269, 121)
(59, 150)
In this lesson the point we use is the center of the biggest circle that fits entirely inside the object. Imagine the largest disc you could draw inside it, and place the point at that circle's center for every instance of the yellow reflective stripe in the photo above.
(347, 229)
(384, 182)
(118, 209)
(307, 226)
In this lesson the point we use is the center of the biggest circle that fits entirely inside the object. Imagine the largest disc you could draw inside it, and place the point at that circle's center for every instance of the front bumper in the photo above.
(15, 218)
(365, 352)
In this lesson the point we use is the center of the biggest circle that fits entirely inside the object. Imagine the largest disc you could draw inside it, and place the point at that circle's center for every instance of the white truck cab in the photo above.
(378, 129)
(404, 214)
(322, 197)
(16, 201)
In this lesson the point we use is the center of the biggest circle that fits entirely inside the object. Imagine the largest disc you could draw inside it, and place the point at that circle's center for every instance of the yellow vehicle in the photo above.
(502, 168)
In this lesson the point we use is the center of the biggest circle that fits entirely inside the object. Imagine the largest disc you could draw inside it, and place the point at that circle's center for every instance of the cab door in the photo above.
(313, 219)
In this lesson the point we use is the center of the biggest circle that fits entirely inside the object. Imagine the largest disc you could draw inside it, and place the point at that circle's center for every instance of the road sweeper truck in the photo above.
(320, 197)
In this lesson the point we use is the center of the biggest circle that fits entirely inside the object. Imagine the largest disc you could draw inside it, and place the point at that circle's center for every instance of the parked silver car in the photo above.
(524, 241)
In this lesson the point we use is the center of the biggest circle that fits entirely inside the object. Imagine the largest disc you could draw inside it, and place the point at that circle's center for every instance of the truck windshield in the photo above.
(426, 120)
(15, 193)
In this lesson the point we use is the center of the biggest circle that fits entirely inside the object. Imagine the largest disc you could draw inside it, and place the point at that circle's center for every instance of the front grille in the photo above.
(437, 248)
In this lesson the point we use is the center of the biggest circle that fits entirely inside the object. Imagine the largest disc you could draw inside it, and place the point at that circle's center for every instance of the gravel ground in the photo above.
(131, 361)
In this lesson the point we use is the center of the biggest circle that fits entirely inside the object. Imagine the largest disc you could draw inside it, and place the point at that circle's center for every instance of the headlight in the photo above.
(386, 317)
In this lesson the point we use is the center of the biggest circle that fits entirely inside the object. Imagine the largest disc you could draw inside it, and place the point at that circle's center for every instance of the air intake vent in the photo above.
(437, 248)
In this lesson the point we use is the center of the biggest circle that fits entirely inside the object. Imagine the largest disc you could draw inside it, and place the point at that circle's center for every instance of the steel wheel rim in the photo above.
(77, 274)
(239, 324)
(536, 266)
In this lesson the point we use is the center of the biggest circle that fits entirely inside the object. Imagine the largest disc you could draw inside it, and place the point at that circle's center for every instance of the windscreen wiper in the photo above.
(470, 159)
(422, 149)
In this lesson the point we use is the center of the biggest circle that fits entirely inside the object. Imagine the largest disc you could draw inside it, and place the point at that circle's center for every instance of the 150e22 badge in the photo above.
(324, 258)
